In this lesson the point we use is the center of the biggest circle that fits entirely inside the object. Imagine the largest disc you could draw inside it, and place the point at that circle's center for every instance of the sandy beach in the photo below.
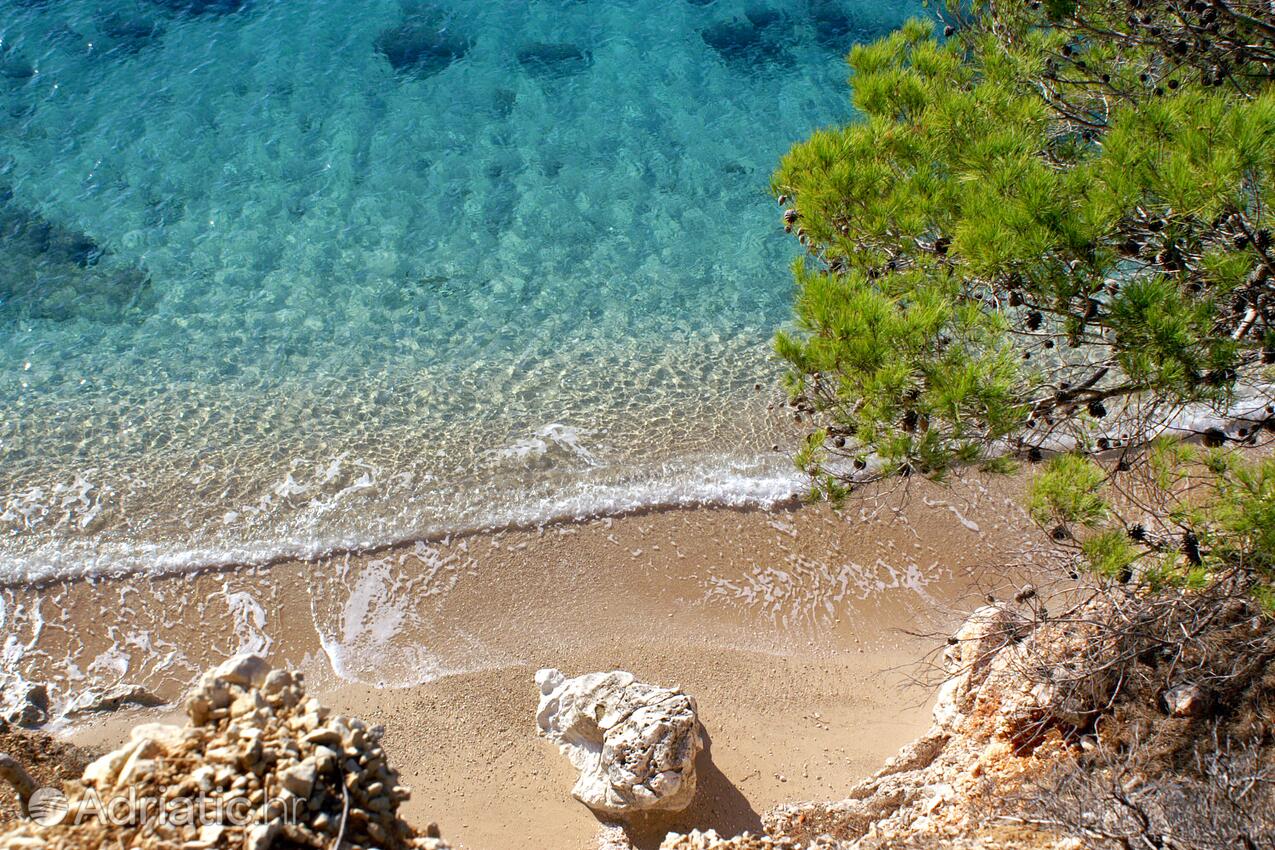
(795, 629)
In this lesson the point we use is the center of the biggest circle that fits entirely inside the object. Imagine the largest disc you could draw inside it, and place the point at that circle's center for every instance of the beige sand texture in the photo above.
(789, 626)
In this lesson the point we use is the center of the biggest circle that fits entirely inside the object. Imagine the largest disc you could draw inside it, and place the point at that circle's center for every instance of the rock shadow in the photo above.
(834, 25)
(422, 43)
(553, 60)
(756, 39)
(55, 273)
(838, 25)
(718, 805)
(197, 8)
(15, 67)
(126, 34)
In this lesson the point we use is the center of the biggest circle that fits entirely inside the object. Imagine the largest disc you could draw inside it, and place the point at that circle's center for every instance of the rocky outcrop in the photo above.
(931, 791)
(634, 744)
(1015, 740)
(274, 768)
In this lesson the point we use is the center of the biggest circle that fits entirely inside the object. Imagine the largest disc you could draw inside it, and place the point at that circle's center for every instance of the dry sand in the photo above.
(789, 626)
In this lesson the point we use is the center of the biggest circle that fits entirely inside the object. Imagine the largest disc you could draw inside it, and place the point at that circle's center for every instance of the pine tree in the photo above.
(1049, 228)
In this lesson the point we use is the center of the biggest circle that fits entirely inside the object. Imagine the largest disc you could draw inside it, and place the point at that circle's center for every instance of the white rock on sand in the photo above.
(634, 744)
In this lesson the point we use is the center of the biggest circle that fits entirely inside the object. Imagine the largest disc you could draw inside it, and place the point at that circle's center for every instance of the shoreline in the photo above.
(794, 627)
(762, 493)
(793, 501)
(1192, 423)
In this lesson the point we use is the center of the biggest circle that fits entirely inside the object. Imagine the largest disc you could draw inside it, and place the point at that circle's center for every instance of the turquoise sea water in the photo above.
(278, 277)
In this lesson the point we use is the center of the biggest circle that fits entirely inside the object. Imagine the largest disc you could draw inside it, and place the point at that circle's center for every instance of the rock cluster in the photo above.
(276, 768)
(930, 788)
(710, 840)
(634, 744)
(928, 792)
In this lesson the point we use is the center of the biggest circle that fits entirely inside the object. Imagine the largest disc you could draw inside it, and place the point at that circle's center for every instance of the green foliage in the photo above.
(914, 355)
(1068, 491)
(990, 268)
(1049, 227)
(1204, 513)
(1168, 460)
(1110, 554)
(1239, 525)
(1265, 597)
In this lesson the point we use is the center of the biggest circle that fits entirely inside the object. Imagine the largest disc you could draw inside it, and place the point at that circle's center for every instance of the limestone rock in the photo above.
(246, 670)
(634, 744)
(710, 840)
(212, 692)
(101, 772)
(967, 661)
(261, 836)
(140, 762)
(299, 779)
(24, 703)
(110, 699)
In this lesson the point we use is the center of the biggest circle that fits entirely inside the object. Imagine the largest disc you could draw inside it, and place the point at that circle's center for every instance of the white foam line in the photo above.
(705, 486)
(708, 484)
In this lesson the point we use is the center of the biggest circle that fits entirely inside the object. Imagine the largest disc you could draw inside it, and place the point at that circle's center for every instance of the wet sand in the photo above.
(794, 628)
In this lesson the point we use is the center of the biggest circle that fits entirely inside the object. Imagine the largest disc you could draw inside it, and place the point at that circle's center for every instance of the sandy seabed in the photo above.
(797, 629)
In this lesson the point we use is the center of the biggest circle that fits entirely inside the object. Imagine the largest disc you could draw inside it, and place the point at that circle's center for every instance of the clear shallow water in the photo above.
(282, 277)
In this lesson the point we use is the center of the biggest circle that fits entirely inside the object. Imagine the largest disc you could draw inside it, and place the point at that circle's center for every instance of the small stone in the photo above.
(323, 736)
(211, 833)
(324, 758)
(261, 836)
(248, 703)
(246, 670)
(276, 681)
(222, 755)
(300, 779)
(1186, 701)
(203, 777)
(101, 772)
(197, 709)
(140, 762)
(104, 772)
